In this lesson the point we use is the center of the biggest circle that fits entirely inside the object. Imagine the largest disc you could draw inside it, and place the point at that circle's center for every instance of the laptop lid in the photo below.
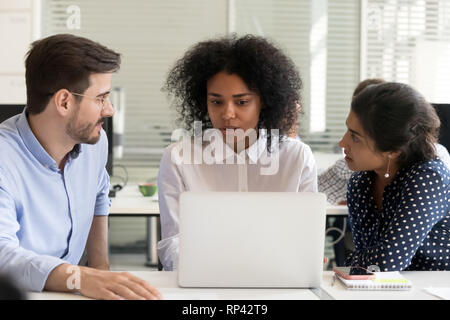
(251, 239)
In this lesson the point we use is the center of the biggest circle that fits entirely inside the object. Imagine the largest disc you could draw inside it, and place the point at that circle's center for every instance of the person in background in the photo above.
(398, 198)
(233, 84)
(53, 182)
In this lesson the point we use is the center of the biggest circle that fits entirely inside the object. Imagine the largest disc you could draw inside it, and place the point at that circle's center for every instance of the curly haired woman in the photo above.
(244, 92)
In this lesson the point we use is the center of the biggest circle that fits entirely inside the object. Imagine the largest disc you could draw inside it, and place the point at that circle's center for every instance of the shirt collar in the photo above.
(35, 147)
(254, 151)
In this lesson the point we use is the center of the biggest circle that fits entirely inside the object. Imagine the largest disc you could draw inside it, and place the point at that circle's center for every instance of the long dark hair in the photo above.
(398, 118)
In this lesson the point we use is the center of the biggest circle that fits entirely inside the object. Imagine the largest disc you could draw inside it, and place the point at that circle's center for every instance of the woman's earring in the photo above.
(386, 175)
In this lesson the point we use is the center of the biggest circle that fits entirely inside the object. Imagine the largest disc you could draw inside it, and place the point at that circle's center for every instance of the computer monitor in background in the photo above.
(9, 110)
(108, 127)
(443, 111)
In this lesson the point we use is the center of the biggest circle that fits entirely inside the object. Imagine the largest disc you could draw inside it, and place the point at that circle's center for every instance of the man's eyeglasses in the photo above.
(103, 99)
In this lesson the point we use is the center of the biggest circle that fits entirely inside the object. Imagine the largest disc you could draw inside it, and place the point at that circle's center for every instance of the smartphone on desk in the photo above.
(353, 273)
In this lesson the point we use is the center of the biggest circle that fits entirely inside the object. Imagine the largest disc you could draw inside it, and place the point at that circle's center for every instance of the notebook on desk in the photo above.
(251, 239)
(391, 281)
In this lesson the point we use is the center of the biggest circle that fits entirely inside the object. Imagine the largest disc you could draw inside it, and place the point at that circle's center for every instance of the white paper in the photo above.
(441, 292)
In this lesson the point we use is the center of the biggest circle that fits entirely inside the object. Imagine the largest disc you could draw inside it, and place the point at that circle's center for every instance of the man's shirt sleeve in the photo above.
(27, 269)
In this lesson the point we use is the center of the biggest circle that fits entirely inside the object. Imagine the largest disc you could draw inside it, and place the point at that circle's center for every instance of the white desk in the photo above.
(419, 279)
(337, 211)
(166, 282)
(129, 202)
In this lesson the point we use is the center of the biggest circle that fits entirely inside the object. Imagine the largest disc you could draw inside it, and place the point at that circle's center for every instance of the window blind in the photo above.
(408, 41)
(150, 35)
(342, 71)
(309, 32)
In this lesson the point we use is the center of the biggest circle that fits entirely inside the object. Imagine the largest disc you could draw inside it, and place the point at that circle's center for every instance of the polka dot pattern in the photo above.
(412, 231)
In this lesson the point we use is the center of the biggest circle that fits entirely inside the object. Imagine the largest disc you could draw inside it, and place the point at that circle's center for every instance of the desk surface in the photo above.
(166, 282)
(129, 201)
(419, 279)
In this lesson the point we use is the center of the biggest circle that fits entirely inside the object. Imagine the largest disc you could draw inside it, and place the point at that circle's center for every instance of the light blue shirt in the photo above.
(46, 213)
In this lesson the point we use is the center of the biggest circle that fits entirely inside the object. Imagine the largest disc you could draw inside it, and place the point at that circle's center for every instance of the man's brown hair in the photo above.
(63, 61)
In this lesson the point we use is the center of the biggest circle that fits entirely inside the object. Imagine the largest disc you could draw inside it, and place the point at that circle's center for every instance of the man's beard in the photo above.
(82, 134)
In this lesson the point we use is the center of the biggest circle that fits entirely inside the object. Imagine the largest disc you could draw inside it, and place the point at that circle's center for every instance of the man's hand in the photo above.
(100, 284)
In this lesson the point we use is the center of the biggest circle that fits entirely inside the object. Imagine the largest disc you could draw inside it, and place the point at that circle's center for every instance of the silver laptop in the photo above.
(251, 239)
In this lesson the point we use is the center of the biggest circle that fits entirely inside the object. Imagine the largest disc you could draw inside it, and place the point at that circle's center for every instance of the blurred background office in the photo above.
(335, 44)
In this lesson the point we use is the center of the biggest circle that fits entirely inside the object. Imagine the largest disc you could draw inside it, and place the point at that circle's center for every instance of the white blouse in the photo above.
(289, 168)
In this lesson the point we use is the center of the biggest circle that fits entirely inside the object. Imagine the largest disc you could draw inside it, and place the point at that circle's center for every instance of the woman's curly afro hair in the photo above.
(264, 68)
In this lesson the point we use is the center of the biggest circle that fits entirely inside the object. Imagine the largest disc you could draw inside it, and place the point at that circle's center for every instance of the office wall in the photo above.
(18, 27)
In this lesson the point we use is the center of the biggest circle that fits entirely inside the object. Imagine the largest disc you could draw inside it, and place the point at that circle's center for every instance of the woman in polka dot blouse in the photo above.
(398, 200)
